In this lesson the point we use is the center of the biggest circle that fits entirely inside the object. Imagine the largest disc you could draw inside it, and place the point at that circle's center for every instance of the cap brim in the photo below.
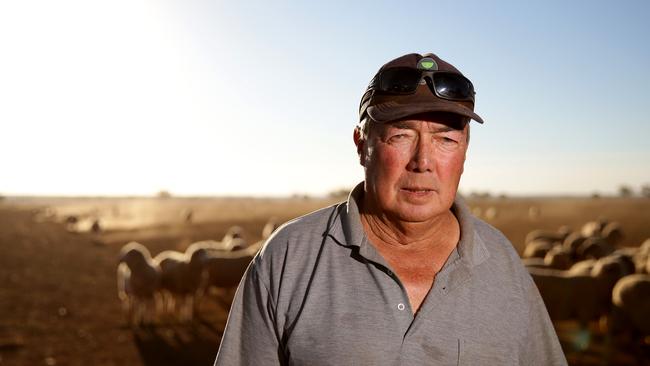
(392, 111)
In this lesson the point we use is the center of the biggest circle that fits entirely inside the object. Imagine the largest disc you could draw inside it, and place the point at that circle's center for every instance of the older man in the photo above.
(401, 273)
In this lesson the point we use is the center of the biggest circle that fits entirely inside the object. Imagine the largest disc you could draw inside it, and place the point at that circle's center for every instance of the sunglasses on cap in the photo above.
(405, 80)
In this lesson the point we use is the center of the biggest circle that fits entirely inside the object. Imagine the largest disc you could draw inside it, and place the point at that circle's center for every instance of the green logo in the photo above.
(427, 63)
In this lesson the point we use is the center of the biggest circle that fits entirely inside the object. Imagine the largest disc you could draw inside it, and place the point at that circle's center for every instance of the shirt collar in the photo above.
(347, 229)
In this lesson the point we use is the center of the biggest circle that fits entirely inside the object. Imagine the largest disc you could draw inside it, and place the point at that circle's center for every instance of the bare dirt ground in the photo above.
(58, 303)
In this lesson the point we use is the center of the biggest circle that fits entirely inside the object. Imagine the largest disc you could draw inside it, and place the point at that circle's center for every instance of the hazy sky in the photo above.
(260, 98)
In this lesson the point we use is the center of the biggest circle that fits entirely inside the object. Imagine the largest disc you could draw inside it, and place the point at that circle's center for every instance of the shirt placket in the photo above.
(397, 299)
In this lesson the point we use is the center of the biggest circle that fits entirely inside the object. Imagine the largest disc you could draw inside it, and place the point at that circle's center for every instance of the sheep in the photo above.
(613, 233)
(534, 212)
(594, 247)
(631, 300)
(222, 269)
(138, 282)
(571, 295)
(558, 258)
(491, 213)
(177, 286)
(564, 231)
(234, 237)
(546, 235)
(209, 245)
(534, 262)
(626, 260)
(583, 267)
(233, 232)
(641, 257)
(593, 228)
(644, 248)
(269, 228)
(613, 267)
(71, 222)
(572, 242)
(537, 249)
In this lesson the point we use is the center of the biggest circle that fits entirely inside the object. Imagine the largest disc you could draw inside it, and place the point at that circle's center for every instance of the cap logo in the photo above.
(428, 64)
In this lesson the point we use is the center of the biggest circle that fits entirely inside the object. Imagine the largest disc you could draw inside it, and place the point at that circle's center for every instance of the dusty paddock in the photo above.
(58, 303)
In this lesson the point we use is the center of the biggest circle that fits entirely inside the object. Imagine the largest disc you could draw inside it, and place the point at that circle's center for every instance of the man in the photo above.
(401, 273)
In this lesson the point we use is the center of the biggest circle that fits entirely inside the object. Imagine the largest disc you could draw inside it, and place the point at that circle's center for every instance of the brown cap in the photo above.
(387, 107)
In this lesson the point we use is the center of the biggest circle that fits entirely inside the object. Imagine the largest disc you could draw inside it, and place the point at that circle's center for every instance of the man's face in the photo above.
(413, 166)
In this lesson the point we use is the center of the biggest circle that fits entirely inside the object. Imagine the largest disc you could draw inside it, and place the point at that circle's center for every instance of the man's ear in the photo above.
(359, 142)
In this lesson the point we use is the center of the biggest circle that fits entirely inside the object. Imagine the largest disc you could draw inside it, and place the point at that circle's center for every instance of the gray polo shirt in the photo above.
(318, 293)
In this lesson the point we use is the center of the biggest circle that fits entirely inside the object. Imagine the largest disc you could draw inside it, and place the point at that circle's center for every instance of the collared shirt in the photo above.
(318, 293)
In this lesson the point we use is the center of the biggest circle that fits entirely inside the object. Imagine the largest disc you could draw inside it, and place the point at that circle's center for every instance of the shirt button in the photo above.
(400, 306)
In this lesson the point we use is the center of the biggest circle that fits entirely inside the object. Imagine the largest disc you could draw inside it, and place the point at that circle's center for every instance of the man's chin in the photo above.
(419, 213)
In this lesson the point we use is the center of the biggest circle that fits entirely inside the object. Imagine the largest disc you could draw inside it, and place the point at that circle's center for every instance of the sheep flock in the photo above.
(171, 285)
(587, 276)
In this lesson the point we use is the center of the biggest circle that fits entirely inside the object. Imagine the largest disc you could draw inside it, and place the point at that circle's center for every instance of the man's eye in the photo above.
(399, 137)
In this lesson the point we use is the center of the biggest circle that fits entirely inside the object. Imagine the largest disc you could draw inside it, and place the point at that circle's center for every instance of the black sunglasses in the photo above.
(405, 80)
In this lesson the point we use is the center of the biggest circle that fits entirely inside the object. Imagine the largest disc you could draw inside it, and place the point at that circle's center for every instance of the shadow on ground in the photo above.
(177, 345)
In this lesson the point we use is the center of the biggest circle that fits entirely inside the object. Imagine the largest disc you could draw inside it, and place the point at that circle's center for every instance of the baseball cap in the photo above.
(385, 107)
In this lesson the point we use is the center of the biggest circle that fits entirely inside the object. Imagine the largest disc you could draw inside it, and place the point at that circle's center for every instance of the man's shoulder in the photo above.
(302, 234)
(504, 263)
(495, 241)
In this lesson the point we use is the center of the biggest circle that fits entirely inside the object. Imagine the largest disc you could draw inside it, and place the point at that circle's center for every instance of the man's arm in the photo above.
(250, 337)
(540, 346)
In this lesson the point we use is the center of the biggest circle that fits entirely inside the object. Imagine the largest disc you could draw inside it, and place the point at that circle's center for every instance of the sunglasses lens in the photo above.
(399, 80)
(453, 86)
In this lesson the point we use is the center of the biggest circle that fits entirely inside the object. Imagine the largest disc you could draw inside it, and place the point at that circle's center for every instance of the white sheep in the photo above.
(537, 249)
(233, 232)
(582, 267)
(631, 299)
(593, 228)
(491, 213)
(211, 245)
(547, 235)
(584, 297)
(573, 241)
(269, 228)
(594, 247)
(534, 262)
(177, 285)
(641, 257)
(644, 248)
(534, 212)
(558, 258)
(613, 233)
(234, 238)
(138, 282)
(222, 269)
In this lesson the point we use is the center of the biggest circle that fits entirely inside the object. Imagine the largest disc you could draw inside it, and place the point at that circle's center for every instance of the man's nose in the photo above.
(422, 156)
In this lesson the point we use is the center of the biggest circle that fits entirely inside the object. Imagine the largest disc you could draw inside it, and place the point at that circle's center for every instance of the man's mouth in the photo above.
(417, 189)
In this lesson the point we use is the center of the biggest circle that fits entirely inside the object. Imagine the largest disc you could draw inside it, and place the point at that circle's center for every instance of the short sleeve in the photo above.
(250, 337)
(540, 346)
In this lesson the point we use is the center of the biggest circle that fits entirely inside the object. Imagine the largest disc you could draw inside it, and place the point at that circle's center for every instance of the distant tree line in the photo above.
(625, 190)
